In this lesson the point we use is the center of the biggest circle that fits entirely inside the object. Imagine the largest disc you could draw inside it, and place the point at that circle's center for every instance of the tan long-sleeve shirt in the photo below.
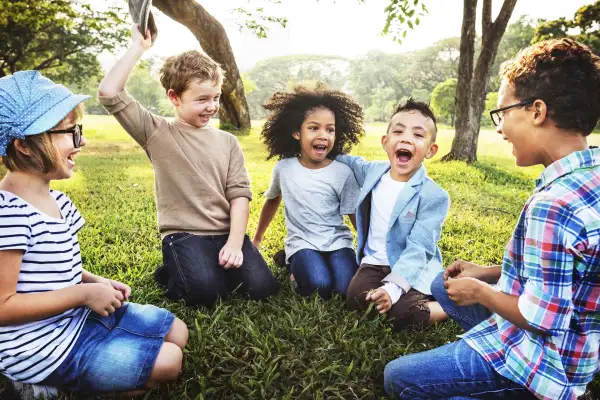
(197, 171)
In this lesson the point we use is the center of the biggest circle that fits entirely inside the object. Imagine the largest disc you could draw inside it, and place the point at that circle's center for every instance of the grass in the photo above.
(287, 347)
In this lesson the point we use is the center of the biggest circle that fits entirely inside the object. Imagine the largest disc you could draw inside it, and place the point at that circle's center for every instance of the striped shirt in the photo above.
(552, 263)
(51, 260)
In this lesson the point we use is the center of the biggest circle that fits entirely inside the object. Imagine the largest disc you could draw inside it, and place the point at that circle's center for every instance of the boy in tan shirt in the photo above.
(201, 183)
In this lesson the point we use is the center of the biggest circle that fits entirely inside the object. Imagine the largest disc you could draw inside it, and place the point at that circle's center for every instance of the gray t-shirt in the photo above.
(316, 201)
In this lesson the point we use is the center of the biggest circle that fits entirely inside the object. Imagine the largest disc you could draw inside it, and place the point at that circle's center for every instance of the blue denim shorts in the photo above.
(114, 353)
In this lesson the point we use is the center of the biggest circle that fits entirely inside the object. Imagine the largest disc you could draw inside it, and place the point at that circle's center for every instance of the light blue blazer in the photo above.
(415, 224)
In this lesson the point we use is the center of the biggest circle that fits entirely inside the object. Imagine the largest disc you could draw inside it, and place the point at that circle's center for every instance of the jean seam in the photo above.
(181, 275)
(181, 239)
(453, 383)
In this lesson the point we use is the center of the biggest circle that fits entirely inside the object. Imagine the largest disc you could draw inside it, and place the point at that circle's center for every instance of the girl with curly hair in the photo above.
(306, 130)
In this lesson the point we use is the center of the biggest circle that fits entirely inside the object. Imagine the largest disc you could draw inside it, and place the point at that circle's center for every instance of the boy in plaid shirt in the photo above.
(536, 334)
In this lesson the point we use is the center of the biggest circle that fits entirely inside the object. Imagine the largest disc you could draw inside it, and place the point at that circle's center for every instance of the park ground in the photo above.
(287, 347)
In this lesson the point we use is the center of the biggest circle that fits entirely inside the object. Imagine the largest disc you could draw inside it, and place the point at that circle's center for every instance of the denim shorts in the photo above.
(114, 353)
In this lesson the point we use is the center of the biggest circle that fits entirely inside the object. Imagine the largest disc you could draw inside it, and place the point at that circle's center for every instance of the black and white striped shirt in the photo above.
(51, 261)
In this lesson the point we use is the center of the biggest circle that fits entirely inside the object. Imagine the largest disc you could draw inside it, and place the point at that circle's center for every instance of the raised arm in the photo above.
(115, 80)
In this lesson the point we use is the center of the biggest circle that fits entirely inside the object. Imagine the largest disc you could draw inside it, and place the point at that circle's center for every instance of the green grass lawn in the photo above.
(287, 347)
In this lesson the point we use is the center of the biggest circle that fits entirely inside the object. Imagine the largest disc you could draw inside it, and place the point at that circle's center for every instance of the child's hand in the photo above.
(121, 287)
(256, 242)
(231, 256)
(138, 39)
(381, 298)
(460, 269)
(464, 291)
(102, 299)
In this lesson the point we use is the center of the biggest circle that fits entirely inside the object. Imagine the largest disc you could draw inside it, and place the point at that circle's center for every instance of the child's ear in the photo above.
(296, 135)
(433, 148)
(540, 112)
(21, 147)
(384, 140)
(175, 99)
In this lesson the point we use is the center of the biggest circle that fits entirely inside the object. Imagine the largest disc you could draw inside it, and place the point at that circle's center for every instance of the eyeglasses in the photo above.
(76, 130)
(498, 114)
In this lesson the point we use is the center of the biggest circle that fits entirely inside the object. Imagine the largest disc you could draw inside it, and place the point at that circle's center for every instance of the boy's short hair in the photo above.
(178, 72)
(565, 75)
(43, 155)
(413, 105)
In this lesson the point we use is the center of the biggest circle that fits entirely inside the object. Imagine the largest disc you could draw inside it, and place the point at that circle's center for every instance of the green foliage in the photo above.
(383, 104)
(256, 20)
(443, 101)
(401, 14)
(59, 37)
(584, 27)
(283, 73)
(285, 347)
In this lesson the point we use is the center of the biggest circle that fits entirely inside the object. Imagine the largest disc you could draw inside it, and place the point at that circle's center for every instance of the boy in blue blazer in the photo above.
(399, 221)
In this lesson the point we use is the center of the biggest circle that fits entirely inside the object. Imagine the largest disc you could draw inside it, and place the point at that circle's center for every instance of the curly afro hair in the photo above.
(290, 109)
(565, 75)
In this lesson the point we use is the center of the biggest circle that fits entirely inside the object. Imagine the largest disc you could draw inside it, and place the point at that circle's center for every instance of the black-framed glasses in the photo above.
(76, 130)
(498, 114)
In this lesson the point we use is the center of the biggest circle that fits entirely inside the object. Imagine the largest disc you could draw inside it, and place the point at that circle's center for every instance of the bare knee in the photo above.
(178, 334)
(168, 364)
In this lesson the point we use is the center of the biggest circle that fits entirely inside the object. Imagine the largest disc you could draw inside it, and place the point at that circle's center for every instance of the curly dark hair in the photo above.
(290, 109)
(565, 75)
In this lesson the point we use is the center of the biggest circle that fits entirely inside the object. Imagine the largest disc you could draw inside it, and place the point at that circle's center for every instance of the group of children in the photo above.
(534, 334)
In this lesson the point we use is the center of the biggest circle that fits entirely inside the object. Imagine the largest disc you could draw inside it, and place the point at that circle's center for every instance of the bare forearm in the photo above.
(22, 308)
(492, 274)
(267, 214)
(116, 79)
(506, 306)
(239, 213)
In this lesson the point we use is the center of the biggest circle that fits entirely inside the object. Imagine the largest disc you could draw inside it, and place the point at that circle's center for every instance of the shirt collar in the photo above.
(579, 159)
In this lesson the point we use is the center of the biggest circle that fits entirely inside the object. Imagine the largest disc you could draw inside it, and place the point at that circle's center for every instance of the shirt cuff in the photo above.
(393, 290)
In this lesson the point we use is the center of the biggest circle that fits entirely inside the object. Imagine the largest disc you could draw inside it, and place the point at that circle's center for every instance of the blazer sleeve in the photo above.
(358, 165)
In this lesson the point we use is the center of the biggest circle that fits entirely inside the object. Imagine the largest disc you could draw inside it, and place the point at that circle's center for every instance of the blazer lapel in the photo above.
(371, 181)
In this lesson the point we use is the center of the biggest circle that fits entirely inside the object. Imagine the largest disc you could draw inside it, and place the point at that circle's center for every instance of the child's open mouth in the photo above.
(71, 160)
(320, 148)
(403, 156)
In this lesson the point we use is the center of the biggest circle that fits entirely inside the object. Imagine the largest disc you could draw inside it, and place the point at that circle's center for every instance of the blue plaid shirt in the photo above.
(552, 263)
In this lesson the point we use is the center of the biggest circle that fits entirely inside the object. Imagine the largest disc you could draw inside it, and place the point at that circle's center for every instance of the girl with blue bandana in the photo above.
(60, 325)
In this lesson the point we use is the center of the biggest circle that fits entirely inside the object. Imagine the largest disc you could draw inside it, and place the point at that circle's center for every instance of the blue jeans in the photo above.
(115, 353)
(466, 316)
(323, 272)
(453, 371)
(194, 273)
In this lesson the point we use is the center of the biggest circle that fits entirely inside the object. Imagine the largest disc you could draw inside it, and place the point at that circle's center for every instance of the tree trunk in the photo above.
(471, 88)
(210, 33)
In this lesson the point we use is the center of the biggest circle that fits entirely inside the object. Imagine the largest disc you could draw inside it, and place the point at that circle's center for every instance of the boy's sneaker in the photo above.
(161, 277)
(27, 391)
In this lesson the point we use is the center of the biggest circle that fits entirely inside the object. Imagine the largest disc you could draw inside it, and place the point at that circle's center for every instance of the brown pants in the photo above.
(410, 310)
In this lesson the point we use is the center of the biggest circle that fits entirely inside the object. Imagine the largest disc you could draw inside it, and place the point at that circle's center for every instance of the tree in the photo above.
(443, 100)
(471, 89)
(584, 27)
(59, 37)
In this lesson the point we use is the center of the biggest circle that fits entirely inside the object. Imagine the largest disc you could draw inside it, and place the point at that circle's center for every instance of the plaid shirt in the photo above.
(552, 263)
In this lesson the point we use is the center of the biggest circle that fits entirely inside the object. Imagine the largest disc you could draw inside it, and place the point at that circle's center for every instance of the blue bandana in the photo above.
(31, 104)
